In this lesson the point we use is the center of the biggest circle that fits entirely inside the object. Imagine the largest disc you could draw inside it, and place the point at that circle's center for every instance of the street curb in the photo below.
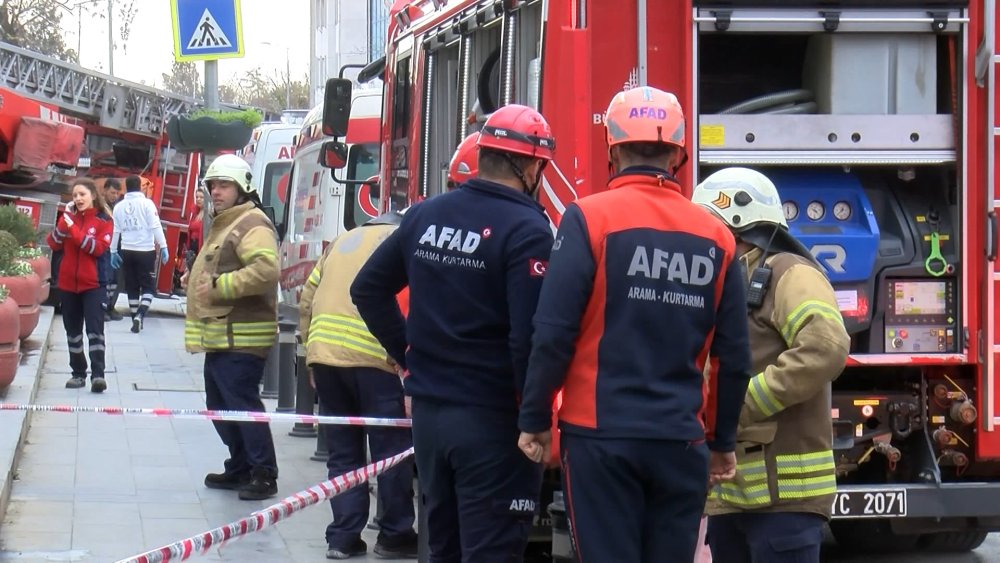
(14, 424)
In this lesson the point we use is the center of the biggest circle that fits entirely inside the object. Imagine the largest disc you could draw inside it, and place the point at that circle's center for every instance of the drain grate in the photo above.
(168, 388)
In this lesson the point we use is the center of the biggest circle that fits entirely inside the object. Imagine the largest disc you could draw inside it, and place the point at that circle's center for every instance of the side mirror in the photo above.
(336, 107)
(333, 155)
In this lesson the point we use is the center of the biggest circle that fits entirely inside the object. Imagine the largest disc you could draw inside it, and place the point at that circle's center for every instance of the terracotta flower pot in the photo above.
(43, 269)
(25, 290)
(10, 343)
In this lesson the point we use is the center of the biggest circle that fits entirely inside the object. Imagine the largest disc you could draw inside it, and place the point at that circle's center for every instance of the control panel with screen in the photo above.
(921, 316)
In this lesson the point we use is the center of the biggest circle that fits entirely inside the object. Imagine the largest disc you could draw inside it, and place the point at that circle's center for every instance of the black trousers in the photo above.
(79, 309)
(232, 381)
(115, 286)
(138, 266)
(361, 391)
(480, 492)
(634, 500)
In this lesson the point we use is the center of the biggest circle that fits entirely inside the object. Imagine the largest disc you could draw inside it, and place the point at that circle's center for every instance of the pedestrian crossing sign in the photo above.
(206, 29)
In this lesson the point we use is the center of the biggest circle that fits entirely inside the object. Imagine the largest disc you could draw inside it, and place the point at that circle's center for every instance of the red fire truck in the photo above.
(59, 121)
(878, 125)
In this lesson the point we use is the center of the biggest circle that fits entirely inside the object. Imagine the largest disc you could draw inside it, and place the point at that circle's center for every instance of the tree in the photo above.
(35, 25)
(262, 90)
(183, 79)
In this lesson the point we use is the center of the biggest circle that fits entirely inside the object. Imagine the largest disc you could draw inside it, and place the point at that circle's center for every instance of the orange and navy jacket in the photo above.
(82, 246)
(641, 291)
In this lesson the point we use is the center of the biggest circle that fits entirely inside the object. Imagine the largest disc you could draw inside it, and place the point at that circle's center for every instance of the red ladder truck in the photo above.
(104, 126)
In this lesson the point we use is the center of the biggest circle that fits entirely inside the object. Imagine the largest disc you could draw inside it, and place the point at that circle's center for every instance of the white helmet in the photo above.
(740, 197)
(233, 168)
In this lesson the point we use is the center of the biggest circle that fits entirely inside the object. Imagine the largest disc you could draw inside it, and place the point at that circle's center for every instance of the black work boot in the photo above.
(399, 547)
(227, 481)
(262, 485)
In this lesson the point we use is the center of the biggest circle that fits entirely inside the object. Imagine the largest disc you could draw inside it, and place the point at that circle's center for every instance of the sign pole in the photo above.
(212, 84)
(111, 42)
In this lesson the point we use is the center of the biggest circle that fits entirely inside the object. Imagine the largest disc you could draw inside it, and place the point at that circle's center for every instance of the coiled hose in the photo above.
(788, 102)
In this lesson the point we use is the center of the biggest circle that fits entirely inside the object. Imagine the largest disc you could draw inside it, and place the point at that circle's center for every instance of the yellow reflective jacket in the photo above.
(329, 323)
(799, 346)
(239, 258)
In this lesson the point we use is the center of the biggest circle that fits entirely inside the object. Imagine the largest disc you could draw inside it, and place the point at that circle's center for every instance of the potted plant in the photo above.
(21, 281)
(18, 224)
(212, 131)
(10, 342)
(40, 263)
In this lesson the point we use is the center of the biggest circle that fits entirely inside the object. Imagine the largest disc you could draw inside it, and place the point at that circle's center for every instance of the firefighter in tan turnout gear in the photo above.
(775, 509)
(232, 316)
(354, 376)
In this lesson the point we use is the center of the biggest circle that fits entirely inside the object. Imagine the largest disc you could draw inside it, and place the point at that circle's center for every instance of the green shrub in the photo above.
(251, 118)
(29, 252)
(17, 224)
(8, 253)
(4, 292)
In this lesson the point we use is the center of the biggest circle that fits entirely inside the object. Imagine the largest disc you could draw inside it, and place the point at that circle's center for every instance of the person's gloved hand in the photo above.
(116, 260)
(164, 255)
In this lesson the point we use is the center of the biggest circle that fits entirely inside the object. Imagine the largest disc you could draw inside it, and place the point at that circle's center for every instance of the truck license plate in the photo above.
(874, 503)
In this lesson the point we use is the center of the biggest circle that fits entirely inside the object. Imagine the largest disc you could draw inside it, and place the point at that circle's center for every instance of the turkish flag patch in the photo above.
(536, 268)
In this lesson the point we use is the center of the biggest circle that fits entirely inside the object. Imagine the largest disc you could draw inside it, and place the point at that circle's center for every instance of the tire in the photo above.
(952, 542)
(871, 536)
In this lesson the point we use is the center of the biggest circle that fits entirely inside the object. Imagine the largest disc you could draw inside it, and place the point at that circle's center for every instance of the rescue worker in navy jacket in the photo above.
(474, 259)
(775, 508)
(644, 287)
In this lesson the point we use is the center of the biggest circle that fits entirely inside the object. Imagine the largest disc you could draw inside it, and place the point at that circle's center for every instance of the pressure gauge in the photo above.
(842, 210)
(815, 210)
(791, 210)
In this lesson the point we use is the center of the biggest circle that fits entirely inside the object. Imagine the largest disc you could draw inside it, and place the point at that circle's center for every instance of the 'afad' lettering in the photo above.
(451, 239)
(522, 505)
(647, 112)
(693, 270)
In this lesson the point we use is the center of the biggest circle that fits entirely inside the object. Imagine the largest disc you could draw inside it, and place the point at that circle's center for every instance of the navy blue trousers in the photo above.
(480, 492)
(634, 500)
(365, 392)
(79, 309)
(232, 382)
(761, 537)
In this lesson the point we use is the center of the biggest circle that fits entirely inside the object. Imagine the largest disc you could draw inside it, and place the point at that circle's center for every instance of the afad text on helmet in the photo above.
(647, 112)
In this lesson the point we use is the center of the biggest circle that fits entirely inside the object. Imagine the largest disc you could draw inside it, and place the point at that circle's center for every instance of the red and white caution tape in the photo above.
(229, 416)
(201, 543)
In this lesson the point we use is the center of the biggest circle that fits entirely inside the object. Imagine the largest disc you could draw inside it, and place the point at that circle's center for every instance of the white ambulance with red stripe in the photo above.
(269, 154)
(318, 207)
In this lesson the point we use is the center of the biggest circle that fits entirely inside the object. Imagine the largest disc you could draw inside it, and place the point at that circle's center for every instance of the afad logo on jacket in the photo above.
(438, 244)
(690, 270)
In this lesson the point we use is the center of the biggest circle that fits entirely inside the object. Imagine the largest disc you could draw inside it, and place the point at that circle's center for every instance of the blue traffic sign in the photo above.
(207, 29)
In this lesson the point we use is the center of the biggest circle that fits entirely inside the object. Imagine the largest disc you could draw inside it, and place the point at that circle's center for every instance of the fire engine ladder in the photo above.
(986, 75)
(105, 100)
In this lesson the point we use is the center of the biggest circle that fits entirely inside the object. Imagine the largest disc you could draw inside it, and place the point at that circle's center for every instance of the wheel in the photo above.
(871, 536)
(953, 542)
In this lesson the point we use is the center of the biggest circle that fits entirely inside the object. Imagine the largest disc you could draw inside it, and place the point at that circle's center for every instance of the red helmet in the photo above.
(520, 130)
(465, 163)
(645, 114)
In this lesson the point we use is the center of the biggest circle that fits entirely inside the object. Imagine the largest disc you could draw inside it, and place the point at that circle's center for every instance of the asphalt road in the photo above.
(988, 552)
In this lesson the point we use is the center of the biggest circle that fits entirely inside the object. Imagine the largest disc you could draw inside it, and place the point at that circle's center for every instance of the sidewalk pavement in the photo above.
(94, 487)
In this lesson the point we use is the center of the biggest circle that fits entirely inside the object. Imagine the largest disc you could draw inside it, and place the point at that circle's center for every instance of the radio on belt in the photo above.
(921, 316)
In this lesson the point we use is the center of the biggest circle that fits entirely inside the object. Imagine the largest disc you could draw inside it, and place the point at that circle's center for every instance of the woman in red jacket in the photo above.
(83, 234)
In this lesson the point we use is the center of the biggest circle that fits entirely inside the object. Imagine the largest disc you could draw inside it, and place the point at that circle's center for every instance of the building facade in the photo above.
(336, 40)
